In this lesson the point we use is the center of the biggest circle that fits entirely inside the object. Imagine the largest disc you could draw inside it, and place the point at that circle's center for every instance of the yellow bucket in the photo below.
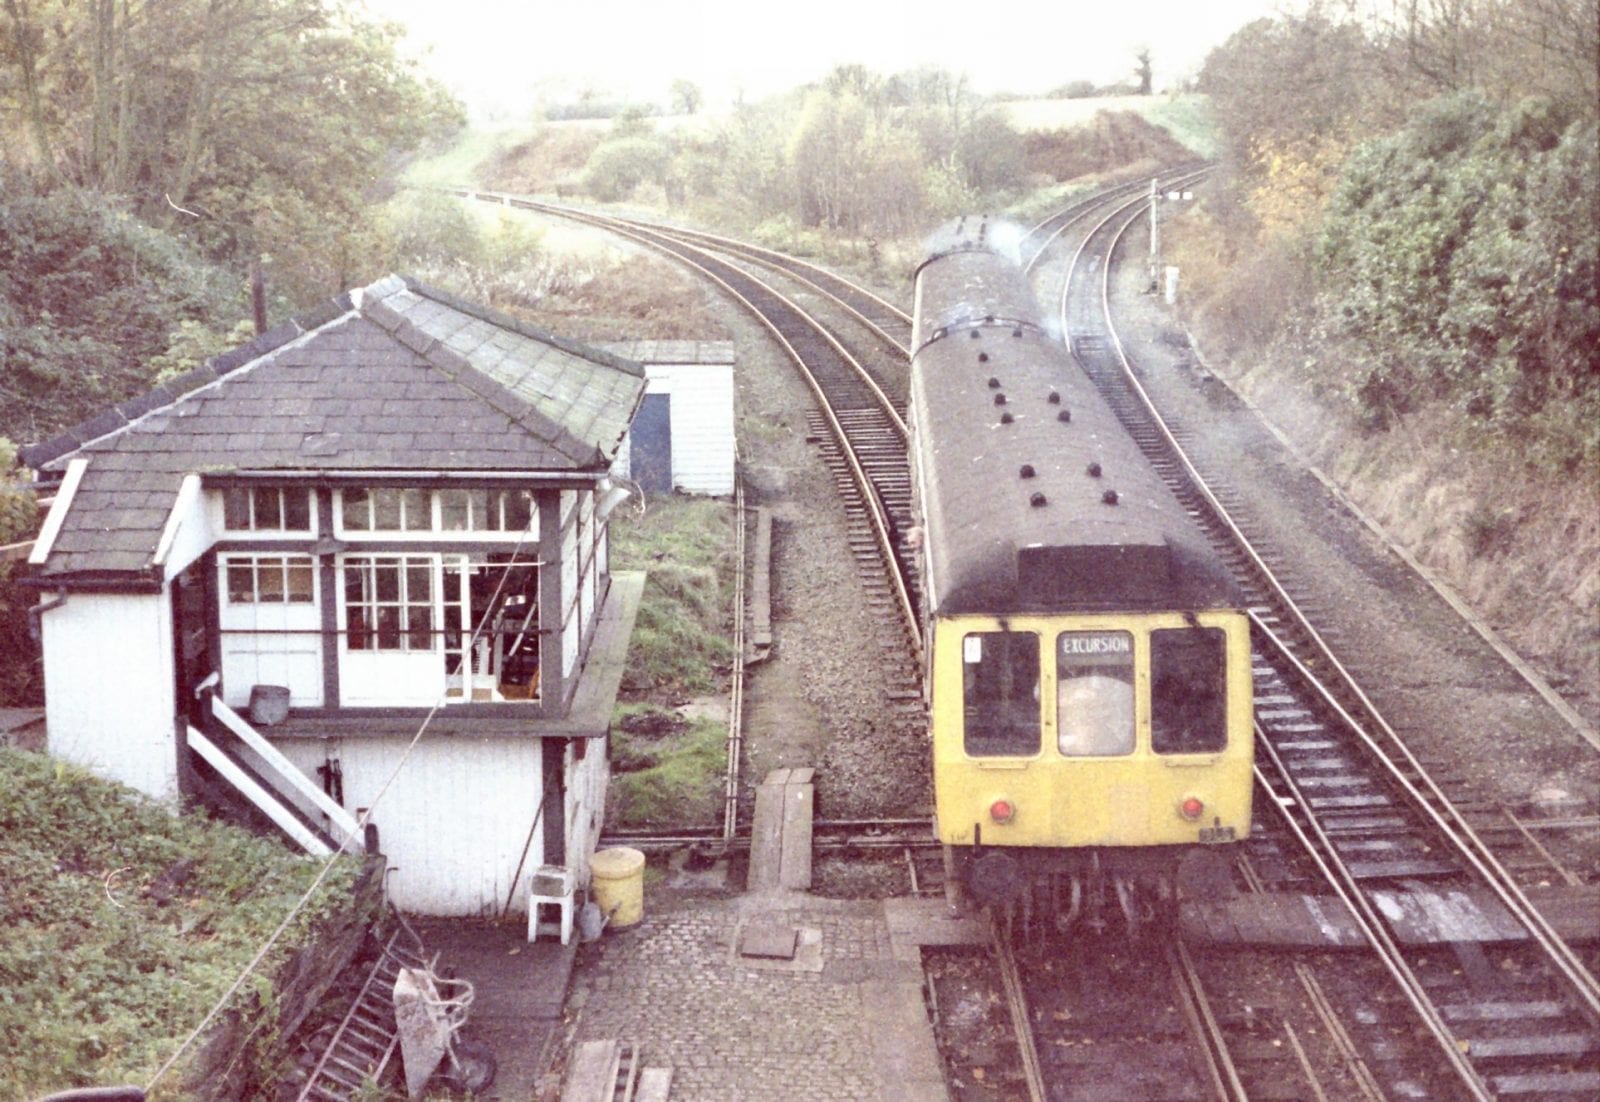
(619, 884)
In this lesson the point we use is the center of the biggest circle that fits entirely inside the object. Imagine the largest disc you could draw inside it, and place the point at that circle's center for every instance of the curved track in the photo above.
(1371, 818)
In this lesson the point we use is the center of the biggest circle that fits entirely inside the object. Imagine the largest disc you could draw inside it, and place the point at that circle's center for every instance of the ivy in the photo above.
(102, 975)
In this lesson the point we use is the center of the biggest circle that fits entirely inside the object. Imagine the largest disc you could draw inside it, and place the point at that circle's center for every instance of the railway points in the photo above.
(1508, 1065)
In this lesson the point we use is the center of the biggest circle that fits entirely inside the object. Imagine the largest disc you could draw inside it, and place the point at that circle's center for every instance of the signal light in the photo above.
(1002, 811)
(1191, 808)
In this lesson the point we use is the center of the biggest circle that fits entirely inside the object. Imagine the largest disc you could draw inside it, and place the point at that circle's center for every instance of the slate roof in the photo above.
(672, 351)
(395, 376)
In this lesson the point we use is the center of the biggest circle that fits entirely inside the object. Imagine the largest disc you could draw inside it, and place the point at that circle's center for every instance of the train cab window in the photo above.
(1000, 693)
(1094, 693)
(1188, 691)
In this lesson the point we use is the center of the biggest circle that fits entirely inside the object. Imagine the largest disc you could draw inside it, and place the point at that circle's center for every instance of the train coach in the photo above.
(1088, 662)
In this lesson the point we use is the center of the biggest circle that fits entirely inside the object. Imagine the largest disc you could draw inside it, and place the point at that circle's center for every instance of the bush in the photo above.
(89, 297)
(620, 165)
(102, 973)
(1458, 259)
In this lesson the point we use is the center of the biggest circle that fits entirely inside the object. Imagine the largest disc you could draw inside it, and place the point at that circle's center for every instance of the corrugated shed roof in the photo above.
(393, 377)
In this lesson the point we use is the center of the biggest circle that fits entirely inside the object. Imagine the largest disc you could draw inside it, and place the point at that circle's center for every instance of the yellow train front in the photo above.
(1088, 661)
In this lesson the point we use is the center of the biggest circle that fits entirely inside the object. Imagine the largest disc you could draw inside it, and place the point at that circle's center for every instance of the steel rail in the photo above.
(1089, 204)
(812, 275)
(1369, 923)
(1450, 822)
(874, 507)
(1317, 999)
(735, 740)
(1203, 1024)
(1349, 891)
(1021, 1022)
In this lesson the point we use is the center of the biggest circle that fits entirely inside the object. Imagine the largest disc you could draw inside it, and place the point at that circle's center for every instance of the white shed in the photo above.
(682, 437)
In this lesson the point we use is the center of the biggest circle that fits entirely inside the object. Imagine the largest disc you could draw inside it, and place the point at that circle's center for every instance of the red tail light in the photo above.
(1192, 808)
(1002, 811)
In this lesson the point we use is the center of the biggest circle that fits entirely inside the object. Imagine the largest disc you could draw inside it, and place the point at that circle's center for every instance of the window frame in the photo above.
(255, 562)
(1038, 730)
(1134, 682)
(227, 511)
(438, 503)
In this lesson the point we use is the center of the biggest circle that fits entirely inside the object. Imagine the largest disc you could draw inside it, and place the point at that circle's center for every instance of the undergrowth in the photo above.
(666, 769)
(680, 646)
(124, 923)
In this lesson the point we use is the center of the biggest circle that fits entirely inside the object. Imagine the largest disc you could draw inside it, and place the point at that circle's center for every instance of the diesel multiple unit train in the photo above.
(1088, 662)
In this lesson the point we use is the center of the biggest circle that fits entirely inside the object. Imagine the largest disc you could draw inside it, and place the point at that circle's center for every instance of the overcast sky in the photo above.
(498, 54)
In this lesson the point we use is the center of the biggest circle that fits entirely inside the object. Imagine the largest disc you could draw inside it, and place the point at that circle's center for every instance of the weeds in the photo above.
(101, 969)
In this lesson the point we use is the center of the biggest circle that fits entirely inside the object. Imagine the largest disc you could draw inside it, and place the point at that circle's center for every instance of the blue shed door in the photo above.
(651, 447)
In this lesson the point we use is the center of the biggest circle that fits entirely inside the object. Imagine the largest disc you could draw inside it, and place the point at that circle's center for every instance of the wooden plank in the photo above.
(592, 1072)
(766, 839)
(266, 800)
(795, 870)
(760, 597)
(654, 1085)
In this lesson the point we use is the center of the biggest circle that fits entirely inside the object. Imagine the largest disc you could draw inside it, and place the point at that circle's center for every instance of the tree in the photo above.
(1144, 70)
(686, 97)
(254, 127)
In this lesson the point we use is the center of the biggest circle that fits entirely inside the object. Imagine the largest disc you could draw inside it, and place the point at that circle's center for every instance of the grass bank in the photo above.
(124, 923)
(667, 756)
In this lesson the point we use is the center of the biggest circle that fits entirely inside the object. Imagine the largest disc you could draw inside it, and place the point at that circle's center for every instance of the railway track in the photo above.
(1371, 818)
(1522, 1025)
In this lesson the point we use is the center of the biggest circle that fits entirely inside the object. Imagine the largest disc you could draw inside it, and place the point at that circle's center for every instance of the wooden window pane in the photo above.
(269, 580)
(518, 510)
(236, 508)
(268, 503)
(241, 583)
(419, 584)
(297, 510)
(386, 575)
(419, 621)
(388, 623)
(357, 511)
(418, 514)
(386, 510)
(453, 510)
(300, 581)
(359, 638)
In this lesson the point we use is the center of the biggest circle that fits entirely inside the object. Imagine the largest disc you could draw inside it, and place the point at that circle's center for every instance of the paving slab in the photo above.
(520, 990)
(851, 1027)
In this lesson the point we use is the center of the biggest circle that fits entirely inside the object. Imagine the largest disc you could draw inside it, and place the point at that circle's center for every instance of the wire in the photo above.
(327, 866)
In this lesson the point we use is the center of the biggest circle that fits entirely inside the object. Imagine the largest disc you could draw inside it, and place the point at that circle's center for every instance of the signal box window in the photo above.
(266, 509)
(1000, 693)
(1188, 691)
(1094, 693)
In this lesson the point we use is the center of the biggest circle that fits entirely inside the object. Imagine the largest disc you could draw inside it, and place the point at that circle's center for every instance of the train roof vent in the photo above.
(1094, 470)
(983, 357)
(1064, 416)
(999, 399)
(1027, 470)
(1109, 497)
(1006, 418)
(1054, 398)
(1038, 500)
(994, 383)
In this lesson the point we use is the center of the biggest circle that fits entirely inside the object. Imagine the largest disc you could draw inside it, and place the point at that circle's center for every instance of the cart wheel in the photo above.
(472, 1068)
